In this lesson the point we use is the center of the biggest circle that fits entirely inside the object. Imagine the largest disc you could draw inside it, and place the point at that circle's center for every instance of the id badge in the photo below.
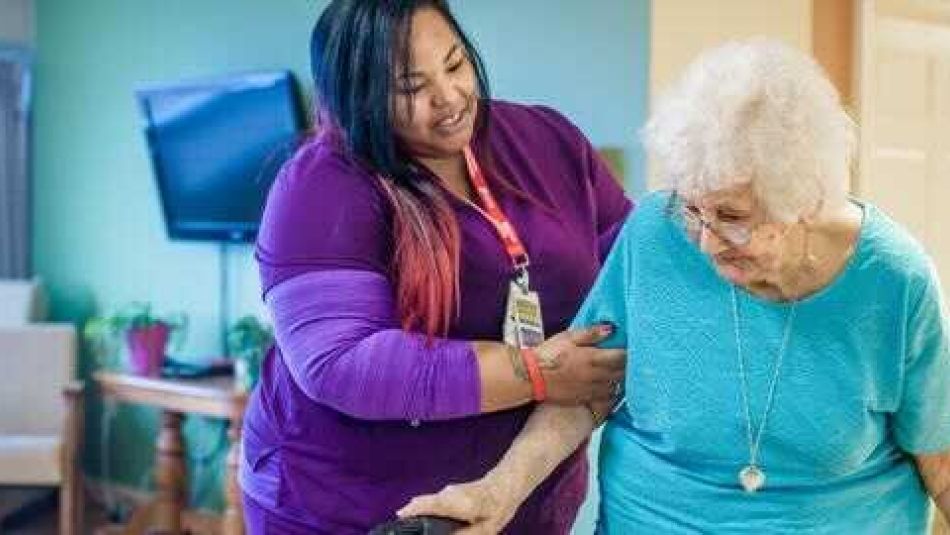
(524, 326)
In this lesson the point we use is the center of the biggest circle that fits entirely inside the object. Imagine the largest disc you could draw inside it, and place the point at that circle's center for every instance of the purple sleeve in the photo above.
(338, 335)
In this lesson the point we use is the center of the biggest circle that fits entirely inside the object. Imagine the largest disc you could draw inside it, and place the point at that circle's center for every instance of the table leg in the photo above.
(233, 521)
(169, 475)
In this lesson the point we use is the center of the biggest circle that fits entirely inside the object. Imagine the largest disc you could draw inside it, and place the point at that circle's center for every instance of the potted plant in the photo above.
(145, 334)
(248, 342)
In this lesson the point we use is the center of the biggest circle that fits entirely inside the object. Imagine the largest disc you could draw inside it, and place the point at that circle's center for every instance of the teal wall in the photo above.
(587, 59)
(99, 238)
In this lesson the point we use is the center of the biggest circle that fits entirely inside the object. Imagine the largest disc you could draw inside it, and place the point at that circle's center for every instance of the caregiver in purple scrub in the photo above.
(422, 256)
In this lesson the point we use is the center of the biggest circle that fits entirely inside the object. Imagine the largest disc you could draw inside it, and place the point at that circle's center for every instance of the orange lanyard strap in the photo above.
(504, 228)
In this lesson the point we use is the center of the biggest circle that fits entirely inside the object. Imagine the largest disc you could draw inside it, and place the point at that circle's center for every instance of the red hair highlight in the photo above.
(425, 257)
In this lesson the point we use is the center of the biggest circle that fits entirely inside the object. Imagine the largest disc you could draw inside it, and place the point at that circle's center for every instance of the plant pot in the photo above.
(147, 349)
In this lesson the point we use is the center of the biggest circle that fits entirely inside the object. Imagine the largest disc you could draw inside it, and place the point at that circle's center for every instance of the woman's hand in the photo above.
(487, 508)
(577, 372)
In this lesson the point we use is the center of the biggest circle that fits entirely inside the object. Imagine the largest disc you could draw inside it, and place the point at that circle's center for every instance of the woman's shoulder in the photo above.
(532, 119)
(320, 171)
(650, 219)
(653, 209)
(890, 247)
(656, 202)
(523, 111)
(323, 206)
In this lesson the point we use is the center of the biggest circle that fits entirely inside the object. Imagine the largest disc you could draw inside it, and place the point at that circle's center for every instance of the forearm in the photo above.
(551, 434)
(502, 375)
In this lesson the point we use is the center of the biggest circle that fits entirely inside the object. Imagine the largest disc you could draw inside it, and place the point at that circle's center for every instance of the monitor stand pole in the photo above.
(224, 295)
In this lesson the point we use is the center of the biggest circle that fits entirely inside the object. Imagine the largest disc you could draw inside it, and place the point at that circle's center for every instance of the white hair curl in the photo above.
(760, 111)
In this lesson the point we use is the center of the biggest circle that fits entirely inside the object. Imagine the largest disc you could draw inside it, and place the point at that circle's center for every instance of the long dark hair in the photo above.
(355, 49)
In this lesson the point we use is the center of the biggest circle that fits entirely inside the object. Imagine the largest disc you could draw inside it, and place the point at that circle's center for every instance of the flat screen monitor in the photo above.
(216, 146)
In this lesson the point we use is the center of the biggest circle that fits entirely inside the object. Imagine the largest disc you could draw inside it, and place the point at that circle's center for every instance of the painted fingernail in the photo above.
(605, 328)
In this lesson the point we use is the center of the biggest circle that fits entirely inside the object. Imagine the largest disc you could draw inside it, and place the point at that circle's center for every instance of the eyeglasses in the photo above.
(734, 234)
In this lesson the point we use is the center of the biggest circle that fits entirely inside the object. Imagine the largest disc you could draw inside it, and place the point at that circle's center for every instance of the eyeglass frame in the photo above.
(733, 234)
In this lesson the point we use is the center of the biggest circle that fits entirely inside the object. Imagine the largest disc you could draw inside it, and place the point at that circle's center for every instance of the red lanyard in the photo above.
(504, 228)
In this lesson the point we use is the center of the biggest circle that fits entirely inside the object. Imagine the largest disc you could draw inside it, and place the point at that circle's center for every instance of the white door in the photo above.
(904, 162)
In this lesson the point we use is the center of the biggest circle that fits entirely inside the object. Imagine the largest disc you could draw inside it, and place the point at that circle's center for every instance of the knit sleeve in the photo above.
(339, 337)
(922, 420)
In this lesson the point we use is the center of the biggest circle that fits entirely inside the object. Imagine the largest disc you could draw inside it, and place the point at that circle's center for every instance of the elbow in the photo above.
(934, 470)
(354, 378)
(331, 378)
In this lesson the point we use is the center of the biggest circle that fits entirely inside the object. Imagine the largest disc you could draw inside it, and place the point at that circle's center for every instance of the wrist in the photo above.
(539, 389)
(524, 390)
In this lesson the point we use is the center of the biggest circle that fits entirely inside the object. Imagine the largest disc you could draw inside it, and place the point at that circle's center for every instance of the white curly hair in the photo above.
(755, 110)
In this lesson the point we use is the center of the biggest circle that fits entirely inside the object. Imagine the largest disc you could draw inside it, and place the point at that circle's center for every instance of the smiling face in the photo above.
(435, 98)
(732, 228)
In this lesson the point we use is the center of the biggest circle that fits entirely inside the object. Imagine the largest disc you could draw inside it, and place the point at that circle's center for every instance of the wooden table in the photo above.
(215, 397)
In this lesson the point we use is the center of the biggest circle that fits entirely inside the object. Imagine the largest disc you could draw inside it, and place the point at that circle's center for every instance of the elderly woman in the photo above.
(789, 366)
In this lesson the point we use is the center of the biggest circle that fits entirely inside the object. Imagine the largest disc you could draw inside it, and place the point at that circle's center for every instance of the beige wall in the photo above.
(833, 43)
(16, 21)
(683, 28)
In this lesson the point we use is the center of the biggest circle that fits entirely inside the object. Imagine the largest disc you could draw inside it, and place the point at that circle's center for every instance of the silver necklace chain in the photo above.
(756, 440)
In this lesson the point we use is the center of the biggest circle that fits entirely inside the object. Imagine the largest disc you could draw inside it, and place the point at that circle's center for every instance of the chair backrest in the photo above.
(36, 362)
(21, 302)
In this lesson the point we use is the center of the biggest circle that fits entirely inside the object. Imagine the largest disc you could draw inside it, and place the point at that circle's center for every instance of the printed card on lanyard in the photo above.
(524, 326)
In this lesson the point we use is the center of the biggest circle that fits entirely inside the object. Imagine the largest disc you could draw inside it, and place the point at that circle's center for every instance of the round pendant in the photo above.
(752, 478)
